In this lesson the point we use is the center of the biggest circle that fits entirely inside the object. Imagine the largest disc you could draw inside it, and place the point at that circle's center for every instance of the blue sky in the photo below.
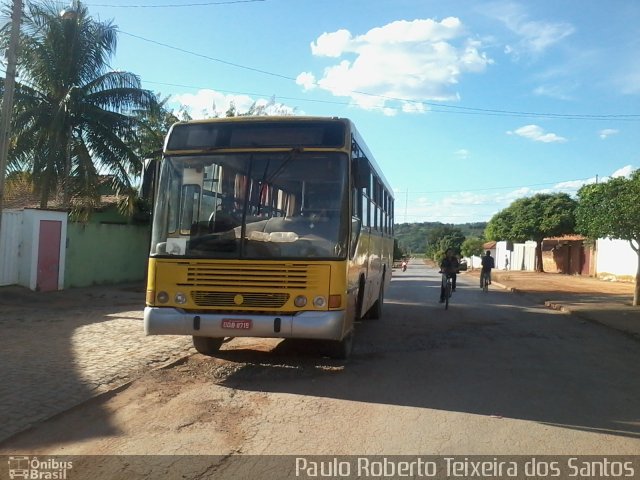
(466, 105)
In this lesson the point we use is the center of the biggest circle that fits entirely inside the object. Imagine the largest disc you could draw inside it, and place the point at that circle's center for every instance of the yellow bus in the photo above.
(278, 227)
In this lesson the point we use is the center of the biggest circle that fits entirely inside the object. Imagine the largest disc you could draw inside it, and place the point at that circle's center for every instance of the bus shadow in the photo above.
(490, 354)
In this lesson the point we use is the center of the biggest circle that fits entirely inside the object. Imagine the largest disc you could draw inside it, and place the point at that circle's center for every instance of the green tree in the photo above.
(442, 237)
(412, 235)
(73, 116)
(534, 218)
(398, 252)
(152, 126)
(612, 209)
(261, 109)
(472, 246)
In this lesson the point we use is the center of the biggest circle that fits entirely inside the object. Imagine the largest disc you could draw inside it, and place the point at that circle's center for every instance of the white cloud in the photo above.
(331, 44)
(625, 171)
(306, 80)
(573, 185)
(607, 132)
(415, 60)
(537, 134)
(211, 103)
(480, 206)
(462, 154)
(533, 37)
(553, 91)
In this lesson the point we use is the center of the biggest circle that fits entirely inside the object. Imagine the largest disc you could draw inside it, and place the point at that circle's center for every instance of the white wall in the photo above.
(615, 258)
(473, 261)
(500, 254)
(523, 256)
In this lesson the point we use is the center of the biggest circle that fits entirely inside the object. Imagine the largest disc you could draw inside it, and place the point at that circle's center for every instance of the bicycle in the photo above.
(484, 281)
(446, 280)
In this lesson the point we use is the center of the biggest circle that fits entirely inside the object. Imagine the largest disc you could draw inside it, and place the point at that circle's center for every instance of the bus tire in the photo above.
(341, 349)
(207, 345)
(376, 309)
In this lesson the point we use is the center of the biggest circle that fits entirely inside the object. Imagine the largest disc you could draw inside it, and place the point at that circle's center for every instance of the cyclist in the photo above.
(487, 264)
(450, 266)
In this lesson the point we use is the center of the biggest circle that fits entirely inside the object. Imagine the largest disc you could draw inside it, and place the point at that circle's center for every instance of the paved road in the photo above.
(60, 349)
(495, 374)
(495, 354)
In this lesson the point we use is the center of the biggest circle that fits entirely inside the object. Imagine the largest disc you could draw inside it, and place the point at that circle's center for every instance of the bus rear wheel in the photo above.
(207, 345)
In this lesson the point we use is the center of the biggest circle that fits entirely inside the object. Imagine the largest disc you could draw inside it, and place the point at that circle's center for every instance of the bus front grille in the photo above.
(250, 278)
(236, 299)
(240, 285)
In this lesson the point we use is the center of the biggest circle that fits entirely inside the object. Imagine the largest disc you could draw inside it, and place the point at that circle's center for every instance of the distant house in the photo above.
(44, 249)
(609, 259)
(568, 254)
(20, 195)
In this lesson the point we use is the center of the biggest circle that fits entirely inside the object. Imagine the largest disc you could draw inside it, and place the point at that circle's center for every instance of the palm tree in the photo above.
(73, 115)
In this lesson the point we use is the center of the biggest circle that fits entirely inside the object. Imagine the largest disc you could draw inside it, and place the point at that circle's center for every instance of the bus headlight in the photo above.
(300, 301)
(181, 298)
(319, 301)
(163, 297)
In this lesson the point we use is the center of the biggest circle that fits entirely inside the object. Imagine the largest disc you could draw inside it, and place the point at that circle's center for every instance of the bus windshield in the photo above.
(290, 205)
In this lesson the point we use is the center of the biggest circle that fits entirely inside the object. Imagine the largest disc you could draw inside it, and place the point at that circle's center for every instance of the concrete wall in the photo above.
(523, 256)
(474, 262)
(99, 254)
(503, 253)
(616, 260)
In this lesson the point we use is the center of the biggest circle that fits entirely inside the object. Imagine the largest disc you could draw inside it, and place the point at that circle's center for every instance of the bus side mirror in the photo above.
(149, 175)
(356, 226)
(362, 172)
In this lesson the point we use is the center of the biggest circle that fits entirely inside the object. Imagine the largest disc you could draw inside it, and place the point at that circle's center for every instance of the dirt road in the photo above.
(494, 374)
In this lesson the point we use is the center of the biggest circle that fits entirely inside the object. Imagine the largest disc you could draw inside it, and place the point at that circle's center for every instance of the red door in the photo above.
(48, 255)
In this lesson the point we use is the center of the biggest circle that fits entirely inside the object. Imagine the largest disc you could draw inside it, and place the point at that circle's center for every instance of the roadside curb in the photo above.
(564, 308)
(578, 314)
(504, 287)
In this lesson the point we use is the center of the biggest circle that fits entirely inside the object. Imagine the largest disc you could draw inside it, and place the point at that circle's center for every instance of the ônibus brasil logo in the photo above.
(36, 469)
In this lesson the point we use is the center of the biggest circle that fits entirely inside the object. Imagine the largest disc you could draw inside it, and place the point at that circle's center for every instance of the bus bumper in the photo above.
(328, 325)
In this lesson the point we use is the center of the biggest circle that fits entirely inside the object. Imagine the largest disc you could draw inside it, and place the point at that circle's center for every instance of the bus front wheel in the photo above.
(376, 310)
(207, 345)
(341, 349)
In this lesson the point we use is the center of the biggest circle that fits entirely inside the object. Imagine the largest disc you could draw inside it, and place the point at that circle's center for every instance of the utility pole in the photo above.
(7, 100)
(406, 204)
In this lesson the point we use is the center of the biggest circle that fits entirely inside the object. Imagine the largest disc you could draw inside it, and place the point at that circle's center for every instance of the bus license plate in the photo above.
(236, 324)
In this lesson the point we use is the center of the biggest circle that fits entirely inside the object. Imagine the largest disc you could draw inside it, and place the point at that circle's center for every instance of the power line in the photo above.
(456, 108)
(207, 57)
(499, 188)
(335, 102)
